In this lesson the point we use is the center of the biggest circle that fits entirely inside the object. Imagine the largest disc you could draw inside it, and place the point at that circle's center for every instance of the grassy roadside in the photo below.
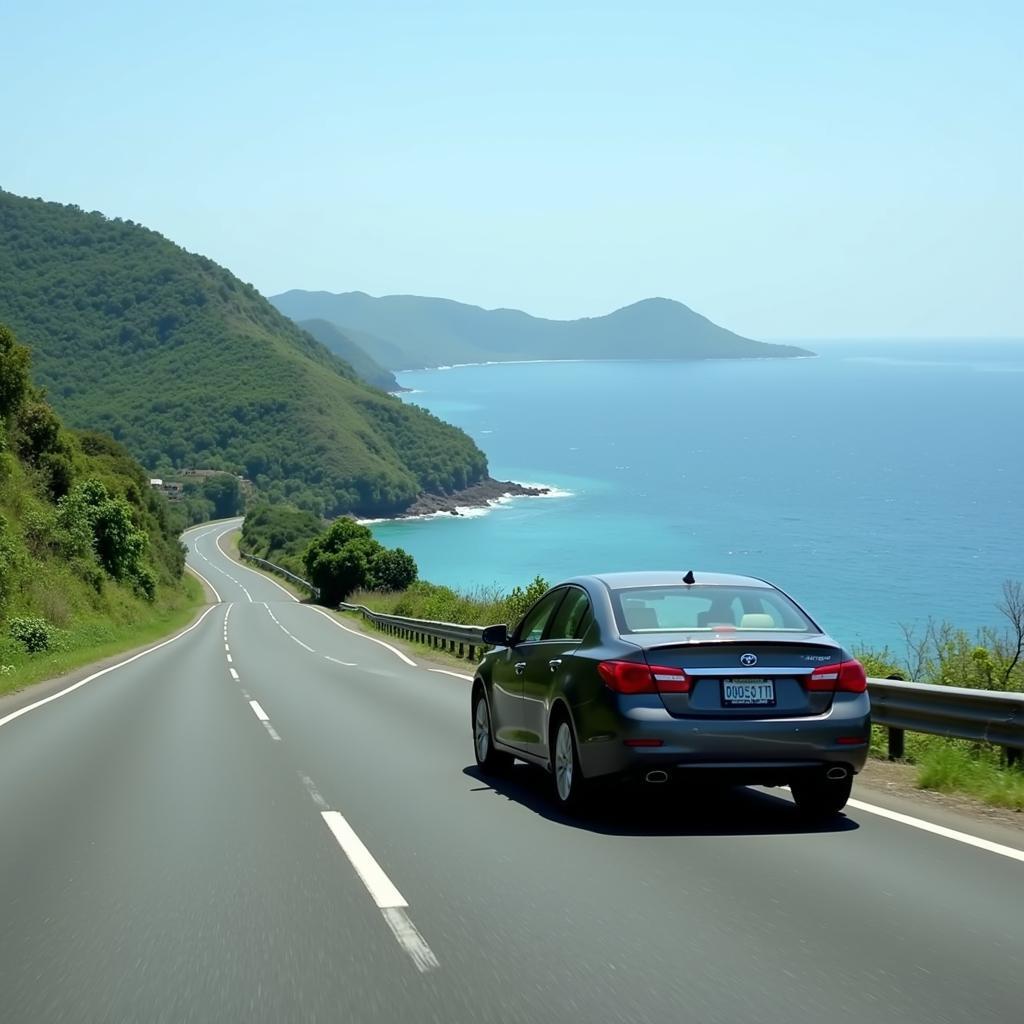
(958, 766)
(94, 639)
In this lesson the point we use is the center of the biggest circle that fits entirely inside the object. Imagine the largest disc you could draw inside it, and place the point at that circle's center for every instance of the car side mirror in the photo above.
(496, 636)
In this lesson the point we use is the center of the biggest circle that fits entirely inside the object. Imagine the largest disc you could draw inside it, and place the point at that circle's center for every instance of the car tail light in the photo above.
(634, 677)
(842, 677)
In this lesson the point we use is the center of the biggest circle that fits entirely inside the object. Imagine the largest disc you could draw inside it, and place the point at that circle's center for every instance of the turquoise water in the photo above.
(879, 483)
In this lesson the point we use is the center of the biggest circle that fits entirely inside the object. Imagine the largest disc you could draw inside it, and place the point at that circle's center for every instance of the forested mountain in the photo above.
(407, 331)
(178, 359)
(344, 345)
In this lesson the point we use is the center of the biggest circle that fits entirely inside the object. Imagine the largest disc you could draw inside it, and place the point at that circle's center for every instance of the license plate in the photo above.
(747, 693)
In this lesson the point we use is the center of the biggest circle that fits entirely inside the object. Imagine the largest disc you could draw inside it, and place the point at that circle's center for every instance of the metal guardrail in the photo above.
(955, 712)
(463, 641)
(297, 580)
(989, 716)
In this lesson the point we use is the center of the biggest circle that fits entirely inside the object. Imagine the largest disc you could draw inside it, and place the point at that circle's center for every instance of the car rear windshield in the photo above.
(669, 609)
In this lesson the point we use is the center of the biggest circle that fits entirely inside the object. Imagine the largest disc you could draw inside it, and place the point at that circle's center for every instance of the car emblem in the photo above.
(748, 659)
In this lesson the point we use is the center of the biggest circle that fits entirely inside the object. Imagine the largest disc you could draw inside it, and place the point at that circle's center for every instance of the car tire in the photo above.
(488, 759)
(570, 787)
(819, 797)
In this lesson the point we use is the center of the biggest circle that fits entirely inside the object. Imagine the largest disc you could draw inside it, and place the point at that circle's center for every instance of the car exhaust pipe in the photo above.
(836, 774)
(656, 776)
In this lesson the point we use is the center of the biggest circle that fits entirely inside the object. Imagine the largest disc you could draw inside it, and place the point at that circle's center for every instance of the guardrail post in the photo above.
(895, 743)
(1013, 756)
(472, 653)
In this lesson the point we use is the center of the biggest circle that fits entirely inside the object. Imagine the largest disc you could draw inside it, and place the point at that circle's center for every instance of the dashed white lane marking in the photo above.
(255, 572)
(391, 902)
(287, 632)
(314, 792)
(258, 711)
(445, 672)
(217, 568)
(940, 830)
(102, 672)
(228, 656)
(272, 731)
(410, 939)
(234, 674)
(227, 647)
(347, 664)
(394, 650)
(381, 888)
(196, 572)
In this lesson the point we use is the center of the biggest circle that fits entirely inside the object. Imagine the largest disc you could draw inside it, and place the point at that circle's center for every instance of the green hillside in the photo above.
(408, 331)
(345, 346)
(89, 560)
(187, 366)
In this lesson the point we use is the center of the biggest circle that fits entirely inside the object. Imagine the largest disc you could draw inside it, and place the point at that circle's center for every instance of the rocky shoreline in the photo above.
(480, 495)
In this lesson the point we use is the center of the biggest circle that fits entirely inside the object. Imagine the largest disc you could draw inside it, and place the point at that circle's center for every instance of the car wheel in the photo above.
(569, 785)
(487, 758)
(819, 797)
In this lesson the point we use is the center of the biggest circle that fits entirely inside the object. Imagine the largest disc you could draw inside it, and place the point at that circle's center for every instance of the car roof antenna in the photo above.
(689, 578)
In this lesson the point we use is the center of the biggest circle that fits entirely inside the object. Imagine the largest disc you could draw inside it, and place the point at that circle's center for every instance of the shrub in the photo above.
(33, 634)
(144, 582)
(391, 569)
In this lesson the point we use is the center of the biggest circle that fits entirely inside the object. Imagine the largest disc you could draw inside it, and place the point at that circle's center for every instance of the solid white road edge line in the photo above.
(410, 939)
(196, 572)
(262, 575)
(445, 672)
(103, 671)
(381, 888)
(355, 632)
(939, 830)
(258, 711)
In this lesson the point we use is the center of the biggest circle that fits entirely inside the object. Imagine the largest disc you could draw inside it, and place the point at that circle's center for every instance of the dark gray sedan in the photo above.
(659, 677)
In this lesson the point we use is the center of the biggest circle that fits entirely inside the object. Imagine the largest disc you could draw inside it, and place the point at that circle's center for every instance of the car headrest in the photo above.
(757, 620)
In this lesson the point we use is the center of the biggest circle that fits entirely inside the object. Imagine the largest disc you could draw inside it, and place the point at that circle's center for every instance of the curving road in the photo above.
(276, 818)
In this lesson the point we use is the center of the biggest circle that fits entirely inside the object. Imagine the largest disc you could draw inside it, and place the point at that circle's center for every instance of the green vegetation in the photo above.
(89, 559)
(406, 331)
(343, 345)
(423, 600)
(347, 557)
(188, 367)
(280, 534)
(945, 655)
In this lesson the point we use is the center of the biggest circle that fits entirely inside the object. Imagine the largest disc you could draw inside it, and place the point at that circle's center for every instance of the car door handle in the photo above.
(554, 663)
(520, 667)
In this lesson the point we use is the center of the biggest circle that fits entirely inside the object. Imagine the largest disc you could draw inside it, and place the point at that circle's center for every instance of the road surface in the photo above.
(275, 818)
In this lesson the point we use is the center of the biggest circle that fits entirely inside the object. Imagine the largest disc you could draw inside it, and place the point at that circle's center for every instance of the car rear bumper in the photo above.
(750, 750)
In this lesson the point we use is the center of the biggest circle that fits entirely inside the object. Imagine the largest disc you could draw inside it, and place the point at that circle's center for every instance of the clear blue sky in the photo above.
(788, 169)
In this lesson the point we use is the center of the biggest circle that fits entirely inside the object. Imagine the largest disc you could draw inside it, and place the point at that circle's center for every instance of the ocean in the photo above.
(880, 483)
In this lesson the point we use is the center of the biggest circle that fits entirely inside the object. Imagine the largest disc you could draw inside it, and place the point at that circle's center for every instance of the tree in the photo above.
(14, 362)
(347, 557)
(392, 569)
(225, 492)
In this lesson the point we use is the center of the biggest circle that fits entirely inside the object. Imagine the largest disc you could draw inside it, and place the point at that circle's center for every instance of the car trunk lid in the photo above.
(751, 676)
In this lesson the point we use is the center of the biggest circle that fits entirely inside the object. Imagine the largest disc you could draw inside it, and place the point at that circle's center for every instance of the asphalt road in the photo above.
(310, 841)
